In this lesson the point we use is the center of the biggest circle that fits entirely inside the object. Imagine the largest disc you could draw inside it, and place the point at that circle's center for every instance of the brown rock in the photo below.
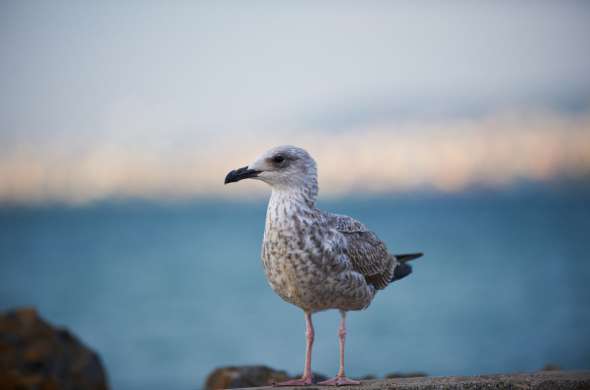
(551, 367)
(367, 377)
(243, 376)
(35, 355)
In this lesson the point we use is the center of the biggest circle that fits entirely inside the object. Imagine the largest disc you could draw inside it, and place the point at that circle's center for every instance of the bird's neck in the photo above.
(284, 203)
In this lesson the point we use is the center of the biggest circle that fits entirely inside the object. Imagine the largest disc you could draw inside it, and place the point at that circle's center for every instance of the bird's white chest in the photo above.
(288, 255)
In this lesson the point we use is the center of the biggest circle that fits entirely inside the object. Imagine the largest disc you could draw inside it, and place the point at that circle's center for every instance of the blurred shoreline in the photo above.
(570, 187)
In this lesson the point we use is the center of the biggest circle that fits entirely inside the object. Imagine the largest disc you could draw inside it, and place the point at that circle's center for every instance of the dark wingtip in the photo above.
(401, 271)
(408, 256)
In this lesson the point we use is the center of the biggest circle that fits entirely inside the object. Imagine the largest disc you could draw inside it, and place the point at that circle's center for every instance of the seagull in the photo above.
(313, 259)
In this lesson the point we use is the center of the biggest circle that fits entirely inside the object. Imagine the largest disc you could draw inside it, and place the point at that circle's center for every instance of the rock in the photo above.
(405, 375)
(35, 355)
(249, 376)
(243, 376)
(316, 377)
(551, 367)
(542, 380)
(367, 377)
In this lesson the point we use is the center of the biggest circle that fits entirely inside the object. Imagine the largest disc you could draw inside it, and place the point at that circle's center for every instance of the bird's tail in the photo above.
(402, 269)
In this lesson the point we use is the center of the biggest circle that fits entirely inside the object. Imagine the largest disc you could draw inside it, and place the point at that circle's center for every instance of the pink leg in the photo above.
(340, 379)
(306, 378)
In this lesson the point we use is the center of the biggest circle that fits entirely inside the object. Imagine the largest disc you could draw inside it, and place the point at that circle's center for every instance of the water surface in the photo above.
(167, 292)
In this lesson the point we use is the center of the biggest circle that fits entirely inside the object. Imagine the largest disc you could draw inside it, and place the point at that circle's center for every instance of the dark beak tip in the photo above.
(239, 174)
(230, 177)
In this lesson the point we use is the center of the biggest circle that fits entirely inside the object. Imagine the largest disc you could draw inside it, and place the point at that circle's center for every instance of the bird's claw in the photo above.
(339, 381)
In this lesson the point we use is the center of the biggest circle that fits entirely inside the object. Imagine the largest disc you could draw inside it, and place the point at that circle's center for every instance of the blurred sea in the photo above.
(165, 292)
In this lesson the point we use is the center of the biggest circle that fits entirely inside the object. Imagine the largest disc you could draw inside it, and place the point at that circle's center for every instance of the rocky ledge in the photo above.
(542, 380)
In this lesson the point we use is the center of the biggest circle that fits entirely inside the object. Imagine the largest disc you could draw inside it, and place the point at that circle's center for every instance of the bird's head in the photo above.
(283, 168)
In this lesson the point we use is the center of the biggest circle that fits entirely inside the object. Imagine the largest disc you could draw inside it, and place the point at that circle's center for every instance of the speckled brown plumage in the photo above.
(318, 260)
(314, 259)
(366, 251)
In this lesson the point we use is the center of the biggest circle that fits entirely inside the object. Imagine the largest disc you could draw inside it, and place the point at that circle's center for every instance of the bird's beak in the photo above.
(239, 174)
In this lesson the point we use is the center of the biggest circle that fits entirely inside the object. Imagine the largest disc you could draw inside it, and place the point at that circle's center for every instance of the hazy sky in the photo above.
(149, 98)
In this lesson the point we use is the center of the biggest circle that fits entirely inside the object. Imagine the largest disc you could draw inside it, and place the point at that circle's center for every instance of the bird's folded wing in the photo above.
(366, 251)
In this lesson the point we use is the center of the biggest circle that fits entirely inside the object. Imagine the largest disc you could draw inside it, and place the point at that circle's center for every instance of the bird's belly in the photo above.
(304, 277)
(298, 282)
(307, 286)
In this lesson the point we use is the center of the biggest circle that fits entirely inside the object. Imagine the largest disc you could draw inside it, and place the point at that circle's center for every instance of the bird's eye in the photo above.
(278, 159)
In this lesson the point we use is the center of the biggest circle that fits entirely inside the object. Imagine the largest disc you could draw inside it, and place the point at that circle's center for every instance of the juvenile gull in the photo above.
(314, 259)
